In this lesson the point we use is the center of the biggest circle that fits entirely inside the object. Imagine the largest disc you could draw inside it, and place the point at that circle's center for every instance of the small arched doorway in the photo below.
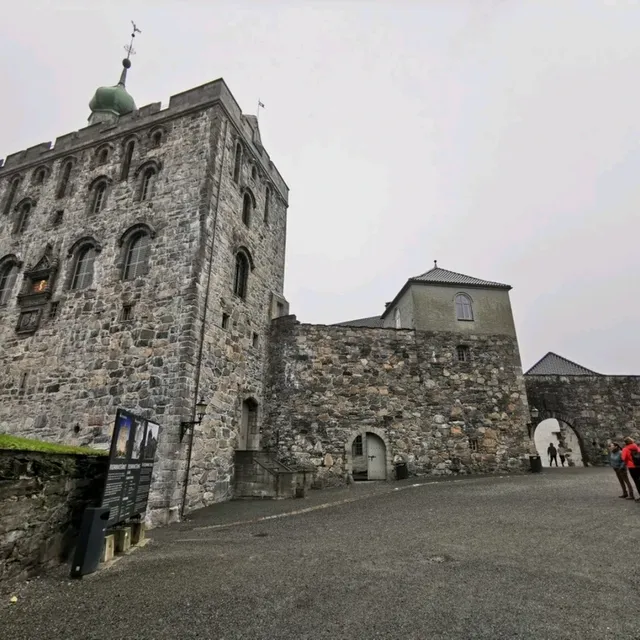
(559, 433)
(368, 457)
(248, 438)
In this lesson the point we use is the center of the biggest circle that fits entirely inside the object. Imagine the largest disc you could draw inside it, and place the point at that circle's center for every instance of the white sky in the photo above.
(499, 137)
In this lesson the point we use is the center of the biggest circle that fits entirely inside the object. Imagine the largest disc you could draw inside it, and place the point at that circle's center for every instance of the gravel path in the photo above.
(538, 556)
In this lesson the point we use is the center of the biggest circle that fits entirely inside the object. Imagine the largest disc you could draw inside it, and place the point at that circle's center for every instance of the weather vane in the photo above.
(129, 48)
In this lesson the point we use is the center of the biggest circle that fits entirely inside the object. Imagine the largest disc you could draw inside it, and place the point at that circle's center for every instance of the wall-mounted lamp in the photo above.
(185, 425)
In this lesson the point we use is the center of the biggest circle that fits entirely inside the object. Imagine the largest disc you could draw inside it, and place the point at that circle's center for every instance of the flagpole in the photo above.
(258, 110)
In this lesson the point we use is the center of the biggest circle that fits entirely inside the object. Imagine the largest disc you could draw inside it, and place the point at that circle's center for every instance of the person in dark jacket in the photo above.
(552, 452)
(630, 456)
(616, 461)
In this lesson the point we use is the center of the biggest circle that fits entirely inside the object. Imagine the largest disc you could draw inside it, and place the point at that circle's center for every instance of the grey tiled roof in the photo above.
(554, 365)
(442, 276)
(374, 321)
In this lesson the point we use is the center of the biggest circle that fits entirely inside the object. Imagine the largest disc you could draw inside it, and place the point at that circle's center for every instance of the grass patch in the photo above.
(27, 444)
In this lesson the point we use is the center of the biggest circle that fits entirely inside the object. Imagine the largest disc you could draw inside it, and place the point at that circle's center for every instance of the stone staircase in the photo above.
(259, 475)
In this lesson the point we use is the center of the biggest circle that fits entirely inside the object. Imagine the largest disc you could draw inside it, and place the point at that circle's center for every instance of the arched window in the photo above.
(136, 256)
(99, 196)
(146, 186)
(63, 187)
(237, 163)
(267, 197)
(126, 161)
(243, 267)
(23, 217)
(397, 319)
(102, 155)
(8, 275)
(11, 195)
(39, 176)
(254, 172)
(464, 310)
(156, 138)
(247, 207)
(83, 268)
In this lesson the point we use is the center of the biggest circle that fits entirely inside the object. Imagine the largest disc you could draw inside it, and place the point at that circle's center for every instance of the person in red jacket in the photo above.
(631, 457)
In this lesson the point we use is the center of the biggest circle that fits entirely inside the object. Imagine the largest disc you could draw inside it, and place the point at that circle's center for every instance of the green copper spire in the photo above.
(109, 103)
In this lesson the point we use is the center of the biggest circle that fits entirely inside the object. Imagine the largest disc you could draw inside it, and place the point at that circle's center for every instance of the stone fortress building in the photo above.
(142, 266)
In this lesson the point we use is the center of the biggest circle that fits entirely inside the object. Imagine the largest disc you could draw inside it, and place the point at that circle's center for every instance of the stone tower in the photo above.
(141, 262)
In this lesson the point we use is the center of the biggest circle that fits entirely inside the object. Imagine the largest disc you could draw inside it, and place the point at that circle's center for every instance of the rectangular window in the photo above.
(473, 444)
(127, 312)
(357, 449)
(53, 310)
(463, 353)
(56, 220)
(225, 320)
(279, 309)
(23, 381)
(255, 339)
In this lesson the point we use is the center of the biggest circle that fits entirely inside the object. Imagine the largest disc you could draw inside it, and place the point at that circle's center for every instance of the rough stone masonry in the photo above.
(330, 384)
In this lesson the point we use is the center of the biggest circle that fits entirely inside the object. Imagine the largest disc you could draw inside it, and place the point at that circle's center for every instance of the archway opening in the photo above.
(249, 433)
(368, 457)
(563, 438)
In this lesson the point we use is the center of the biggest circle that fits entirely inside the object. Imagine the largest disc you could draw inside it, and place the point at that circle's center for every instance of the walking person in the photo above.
(616, 461)
(631, 457)
(562, 452)
(552, 452)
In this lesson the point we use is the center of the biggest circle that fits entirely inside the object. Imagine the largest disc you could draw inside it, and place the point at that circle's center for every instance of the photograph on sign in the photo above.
(151, 443)
(123, 429)
(138, 439)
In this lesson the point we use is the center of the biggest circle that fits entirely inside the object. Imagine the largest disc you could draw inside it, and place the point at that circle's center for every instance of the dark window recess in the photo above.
(157, 138)
(473, 444)
(23, 381)
(242, 275)
(127, 312)
(64, 180)
(225, 320)
(267, 197)
(255, 339)
(56, 219)
(357, 446)
(463, 353)
(8, 203)
(237, 163)
(126, 161)
(247, 207)
(279, 309)
(53, 309)
(254, 173)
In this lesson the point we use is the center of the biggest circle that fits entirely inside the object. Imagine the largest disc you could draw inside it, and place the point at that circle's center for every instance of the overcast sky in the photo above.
(499, 137)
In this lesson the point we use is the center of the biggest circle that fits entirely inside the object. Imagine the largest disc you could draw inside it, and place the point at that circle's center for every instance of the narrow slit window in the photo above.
(225, 320)
(147, 183)
(241, 275)
(11, 195)
(63, 187)
(126, 162)
(237, 163)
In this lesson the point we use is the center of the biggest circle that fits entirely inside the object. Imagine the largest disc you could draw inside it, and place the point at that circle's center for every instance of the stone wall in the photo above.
(42, 498)
(327, 385)
(598, 408)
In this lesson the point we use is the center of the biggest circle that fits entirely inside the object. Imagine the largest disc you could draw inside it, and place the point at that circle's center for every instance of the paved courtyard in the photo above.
(538, 556)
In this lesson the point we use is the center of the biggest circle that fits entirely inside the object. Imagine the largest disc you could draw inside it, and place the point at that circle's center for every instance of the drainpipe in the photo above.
(204, 323)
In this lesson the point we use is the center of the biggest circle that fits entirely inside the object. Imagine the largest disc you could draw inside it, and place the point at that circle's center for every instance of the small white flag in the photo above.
(260, 104)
